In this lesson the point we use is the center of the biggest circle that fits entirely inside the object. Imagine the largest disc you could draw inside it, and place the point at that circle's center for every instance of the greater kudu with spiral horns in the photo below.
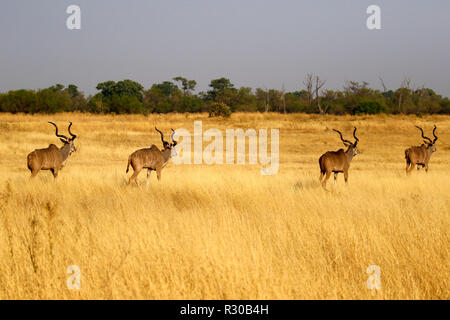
(420, 155)
(151, 158)
(52, 158)
(338, 161)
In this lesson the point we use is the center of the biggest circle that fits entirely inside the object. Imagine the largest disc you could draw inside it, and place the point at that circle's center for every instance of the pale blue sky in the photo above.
(256, 43)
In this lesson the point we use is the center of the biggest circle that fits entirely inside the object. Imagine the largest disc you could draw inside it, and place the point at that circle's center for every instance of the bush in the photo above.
(18, 101)
(125, 105)
(190, 104)
(369, 107)
(445, 106)
(49, 101)
(219, 109)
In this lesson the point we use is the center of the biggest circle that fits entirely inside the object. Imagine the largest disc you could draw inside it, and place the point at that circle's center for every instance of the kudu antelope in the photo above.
(151, 158)
(420, 155)
(52, 158)
(337, 161)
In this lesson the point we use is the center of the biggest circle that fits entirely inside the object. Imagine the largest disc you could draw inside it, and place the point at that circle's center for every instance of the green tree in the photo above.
(167, 88)
(369, 107)
(73, 90)
(262, 100)
(95, 104)
(223, 91)
(57, 87)
(122, 88)
(296, 102)
(51, 101)
(106, 88)
(275, 100)
(116, 96)
(163, 97)
(19, 101)
(129, 88)
(128, 96)
(187, 85)
(190, 104)
(125, 104)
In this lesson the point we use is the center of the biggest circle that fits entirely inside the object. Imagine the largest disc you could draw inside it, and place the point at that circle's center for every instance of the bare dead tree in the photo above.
(313, 84)
(382, 84)
(355, 87)
(283, 98)
(308, 83)
(406, 84)
(421, 91)
(318, 84)
(267, 99)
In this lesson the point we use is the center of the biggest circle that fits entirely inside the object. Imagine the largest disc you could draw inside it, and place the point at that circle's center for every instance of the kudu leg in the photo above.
(411, 168)
(55, 173)
(324, 182)
(321, 176)
(34, 173)
(158, 174)
(346, 177)
(148, 177)
(134, 177)
(335, 178)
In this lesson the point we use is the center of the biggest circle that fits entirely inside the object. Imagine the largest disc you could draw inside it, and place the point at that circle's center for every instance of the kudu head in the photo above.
(352, 148)
(168, 146)
(68, 142)
(430, 144)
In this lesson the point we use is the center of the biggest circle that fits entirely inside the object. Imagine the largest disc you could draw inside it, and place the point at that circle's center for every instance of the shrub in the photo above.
(219, 109)
(368, 107)
(190, 104)
(50, 101)
(18, 101)
(125, 104)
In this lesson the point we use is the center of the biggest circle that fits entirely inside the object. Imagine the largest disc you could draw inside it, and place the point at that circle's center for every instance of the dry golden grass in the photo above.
(221, 231)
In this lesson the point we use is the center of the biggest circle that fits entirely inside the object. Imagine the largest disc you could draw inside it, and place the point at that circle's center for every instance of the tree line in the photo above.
(178, 95)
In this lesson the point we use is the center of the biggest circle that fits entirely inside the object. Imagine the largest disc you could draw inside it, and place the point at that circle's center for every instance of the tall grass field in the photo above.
(224, 231)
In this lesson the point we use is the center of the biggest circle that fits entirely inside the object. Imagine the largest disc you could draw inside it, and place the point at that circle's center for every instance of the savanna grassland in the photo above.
(224, 231)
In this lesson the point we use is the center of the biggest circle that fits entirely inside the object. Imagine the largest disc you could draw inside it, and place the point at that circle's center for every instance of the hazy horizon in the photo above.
(261, 43)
